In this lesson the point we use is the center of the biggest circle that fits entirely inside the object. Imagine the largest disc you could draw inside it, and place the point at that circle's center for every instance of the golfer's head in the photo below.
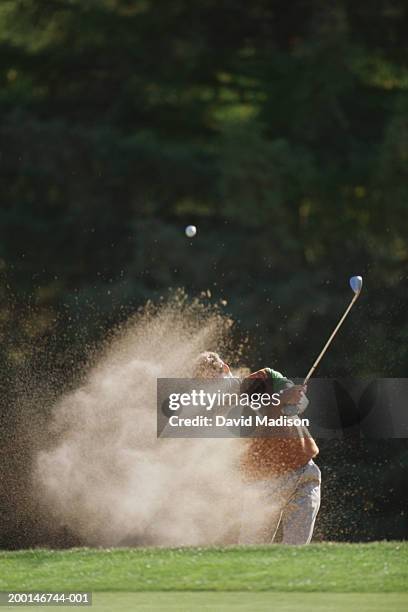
(209, 365)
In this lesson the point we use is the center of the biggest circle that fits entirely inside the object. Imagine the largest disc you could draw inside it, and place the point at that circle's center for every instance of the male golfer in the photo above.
(280, 475)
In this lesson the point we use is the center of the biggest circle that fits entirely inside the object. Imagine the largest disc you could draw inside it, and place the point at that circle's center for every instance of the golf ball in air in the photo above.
(190, 231)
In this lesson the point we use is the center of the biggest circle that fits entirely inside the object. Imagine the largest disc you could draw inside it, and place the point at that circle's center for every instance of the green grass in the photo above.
(252, 602)
(244, 602)
(321, 568)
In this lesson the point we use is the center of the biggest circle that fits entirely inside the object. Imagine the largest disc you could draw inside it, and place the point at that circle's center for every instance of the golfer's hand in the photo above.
(293, 395)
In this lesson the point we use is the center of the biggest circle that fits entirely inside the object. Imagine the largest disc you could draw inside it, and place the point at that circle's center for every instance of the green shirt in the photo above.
(279, 380)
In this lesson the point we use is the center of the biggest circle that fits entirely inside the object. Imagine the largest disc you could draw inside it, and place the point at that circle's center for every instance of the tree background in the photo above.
(279, 129)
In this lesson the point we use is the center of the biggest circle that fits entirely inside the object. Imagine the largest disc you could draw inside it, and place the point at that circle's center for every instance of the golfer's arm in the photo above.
(281, 383)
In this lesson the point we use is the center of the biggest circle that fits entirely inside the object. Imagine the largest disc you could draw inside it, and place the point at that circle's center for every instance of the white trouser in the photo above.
(292, 499)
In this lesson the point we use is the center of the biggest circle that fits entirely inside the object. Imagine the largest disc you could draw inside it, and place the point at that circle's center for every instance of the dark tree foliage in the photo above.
(279, 128)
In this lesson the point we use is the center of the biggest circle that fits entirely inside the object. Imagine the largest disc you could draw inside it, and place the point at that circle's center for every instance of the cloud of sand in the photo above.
(107, 478)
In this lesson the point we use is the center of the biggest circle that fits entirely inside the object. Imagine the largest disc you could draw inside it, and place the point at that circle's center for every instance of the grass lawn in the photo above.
(363, 577)
(242, 602)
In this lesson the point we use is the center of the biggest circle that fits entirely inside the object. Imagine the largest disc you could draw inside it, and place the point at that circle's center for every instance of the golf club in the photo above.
(356, 283)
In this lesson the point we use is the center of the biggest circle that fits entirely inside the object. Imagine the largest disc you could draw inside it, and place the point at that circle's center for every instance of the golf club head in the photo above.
(356, 282)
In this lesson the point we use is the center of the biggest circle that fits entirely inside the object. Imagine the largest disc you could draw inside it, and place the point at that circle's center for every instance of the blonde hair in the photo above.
(208, 365)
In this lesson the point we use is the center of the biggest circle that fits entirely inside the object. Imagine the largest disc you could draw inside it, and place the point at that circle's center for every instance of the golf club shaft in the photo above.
(326, 346)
